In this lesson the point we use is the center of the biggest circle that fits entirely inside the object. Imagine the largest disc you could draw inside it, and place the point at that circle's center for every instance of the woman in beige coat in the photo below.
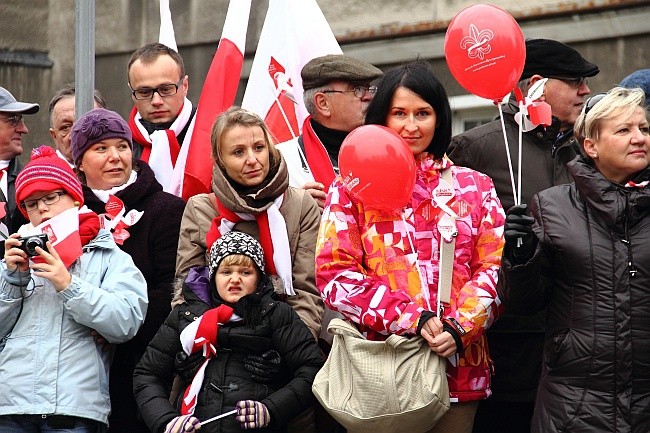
(251, 193)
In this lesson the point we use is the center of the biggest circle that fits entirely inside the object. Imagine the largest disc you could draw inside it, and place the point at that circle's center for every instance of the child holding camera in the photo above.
(54, 374)
(229, 312)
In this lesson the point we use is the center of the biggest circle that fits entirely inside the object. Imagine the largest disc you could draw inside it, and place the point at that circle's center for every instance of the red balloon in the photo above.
(485, 51)
(377, 167)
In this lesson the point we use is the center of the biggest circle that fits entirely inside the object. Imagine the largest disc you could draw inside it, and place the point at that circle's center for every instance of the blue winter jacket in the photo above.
(49, 361)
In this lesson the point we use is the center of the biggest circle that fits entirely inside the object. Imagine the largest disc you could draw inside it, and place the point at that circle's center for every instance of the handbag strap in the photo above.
(446, 265)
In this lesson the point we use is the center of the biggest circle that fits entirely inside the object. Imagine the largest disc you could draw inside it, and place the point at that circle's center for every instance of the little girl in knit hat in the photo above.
(229, 312)
(51, 302)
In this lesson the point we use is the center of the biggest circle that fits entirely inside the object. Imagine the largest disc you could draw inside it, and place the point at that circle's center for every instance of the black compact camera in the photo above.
(29, 244)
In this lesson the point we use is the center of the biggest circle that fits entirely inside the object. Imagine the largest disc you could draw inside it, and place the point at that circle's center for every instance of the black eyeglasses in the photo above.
(359, 91)
(591, 102)
(50, 199)
(164, 90)
(13, 119)
(573, 82)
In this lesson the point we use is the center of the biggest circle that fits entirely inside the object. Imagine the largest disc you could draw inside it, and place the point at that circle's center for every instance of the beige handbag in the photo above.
(397, 385)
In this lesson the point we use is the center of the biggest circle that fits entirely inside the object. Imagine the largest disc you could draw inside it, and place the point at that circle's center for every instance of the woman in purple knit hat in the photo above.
(145, 222)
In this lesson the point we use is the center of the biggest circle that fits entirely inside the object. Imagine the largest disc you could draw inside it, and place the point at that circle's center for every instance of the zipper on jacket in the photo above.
(224, 388)
(626, 240)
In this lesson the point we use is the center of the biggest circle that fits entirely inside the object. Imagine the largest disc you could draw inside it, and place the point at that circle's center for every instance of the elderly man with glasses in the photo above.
(337, 92)
(516, 341)
(162, 113)
(12, 128)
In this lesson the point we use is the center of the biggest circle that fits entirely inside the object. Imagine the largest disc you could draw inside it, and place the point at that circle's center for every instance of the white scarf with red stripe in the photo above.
(201, 335)
(161, 148)
(273, 238)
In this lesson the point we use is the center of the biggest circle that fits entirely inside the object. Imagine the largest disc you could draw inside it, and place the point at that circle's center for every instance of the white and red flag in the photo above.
(63, 232)
(192, 173)
(218, 94)
(294, 32)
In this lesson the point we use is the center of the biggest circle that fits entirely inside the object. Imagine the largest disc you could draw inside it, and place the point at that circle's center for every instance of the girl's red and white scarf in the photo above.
(201, 335)
(161, 148)
(273, 238)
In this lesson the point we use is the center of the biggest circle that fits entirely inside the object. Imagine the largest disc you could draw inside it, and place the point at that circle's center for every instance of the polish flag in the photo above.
(166, 35)
(294, 32)
(218, 94)
(63, 232)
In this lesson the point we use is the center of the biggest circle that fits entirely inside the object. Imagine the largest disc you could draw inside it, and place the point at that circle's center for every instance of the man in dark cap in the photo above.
(516, 341)
(337, 92)
(12, 128)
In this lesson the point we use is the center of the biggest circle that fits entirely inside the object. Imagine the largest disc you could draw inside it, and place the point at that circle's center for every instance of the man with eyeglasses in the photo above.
(162, 113)
(12, 128)
(337, 92)
(516, 342)
(62, 117)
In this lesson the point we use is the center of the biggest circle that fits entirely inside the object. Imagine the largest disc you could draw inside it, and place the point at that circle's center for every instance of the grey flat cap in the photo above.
(8, 104)
(337, 67)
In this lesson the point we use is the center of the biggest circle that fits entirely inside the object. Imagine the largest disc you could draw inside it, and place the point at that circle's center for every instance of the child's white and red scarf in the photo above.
(201, 335)
(273, 238)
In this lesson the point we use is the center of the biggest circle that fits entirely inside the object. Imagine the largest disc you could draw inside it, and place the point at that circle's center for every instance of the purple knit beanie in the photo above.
(94, 126)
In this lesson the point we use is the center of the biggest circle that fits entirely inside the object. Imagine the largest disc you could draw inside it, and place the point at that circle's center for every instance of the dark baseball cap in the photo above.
(337, 67)
(550, 58)
(8, 104)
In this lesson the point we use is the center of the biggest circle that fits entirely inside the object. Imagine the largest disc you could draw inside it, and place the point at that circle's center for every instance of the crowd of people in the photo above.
(212, 314)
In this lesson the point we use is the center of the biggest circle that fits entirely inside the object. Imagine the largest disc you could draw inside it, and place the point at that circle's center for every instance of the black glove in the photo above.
(264, 368)
(186, 366)
(519, 236)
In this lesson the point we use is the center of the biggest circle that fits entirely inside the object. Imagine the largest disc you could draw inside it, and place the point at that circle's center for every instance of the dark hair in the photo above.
(69, 90)
(150, 52)
(418, 78)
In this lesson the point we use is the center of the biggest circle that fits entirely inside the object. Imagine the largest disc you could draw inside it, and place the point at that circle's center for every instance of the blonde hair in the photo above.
(237, 116)
(618, 100)
(237, 260)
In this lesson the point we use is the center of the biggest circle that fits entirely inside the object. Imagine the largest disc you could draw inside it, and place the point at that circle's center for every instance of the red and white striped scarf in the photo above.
(273, 238)
(201, 335)
(161, 148)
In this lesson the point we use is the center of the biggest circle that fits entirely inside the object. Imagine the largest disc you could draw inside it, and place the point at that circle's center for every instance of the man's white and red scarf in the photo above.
(201, 335)
(273, 238)
(317, 158)
(161, 148)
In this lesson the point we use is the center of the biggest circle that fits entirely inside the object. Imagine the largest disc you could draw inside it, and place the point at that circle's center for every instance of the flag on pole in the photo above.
(166, 35)
(218, 94)
(294, 32)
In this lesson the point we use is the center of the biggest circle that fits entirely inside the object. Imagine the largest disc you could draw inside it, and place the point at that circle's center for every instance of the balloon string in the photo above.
(519, 240)
(423, 287)
(505, 140)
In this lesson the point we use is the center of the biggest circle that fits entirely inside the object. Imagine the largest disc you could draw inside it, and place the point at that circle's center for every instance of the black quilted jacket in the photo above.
(226, 381)
(591, 271)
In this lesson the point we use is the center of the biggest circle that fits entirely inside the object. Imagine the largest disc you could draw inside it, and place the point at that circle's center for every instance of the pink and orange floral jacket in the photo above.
(366, 268)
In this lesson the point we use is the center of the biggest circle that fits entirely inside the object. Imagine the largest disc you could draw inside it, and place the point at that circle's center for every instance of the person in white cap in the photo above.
(12, 128)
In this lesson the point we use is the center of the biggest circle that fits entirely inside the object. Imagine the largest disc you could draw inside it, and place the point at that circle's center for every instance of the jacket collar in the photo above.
(615, 203)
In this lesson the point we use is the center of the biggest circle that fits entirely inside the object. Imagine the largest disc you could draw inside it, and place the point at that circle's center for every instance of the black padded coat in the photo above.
(226, 380)
(591, 270)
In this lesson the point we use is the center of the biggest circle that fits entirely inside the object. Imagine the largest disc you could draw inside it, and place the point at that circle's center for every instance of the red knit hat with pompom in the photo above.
(45, 172)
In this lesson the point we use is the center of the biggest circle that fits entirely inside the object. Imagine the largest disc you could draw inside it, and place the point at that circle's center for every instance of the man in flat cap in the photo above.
(516, 341)
(12, 128)
(337, 92)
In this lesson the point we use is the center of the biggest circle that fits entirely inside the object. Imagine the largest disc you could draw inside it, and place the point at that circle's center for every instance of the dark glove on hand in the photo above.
(519, 236)
(187, 366)
(264, 368)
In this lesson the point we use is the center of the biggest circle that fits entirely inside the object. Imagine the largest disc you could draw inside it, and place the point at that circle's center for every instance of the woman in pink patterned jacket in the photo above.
(365, 268)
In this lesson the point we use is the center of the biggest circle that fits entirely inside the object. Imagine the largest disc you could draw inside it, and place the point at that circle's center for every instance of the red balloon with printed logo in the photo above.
(377, 167)
(485, 51)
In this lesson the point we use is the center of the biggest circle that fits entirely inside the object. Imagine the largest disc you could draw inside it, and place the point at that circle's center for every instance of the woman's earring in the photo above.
(77, 204)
